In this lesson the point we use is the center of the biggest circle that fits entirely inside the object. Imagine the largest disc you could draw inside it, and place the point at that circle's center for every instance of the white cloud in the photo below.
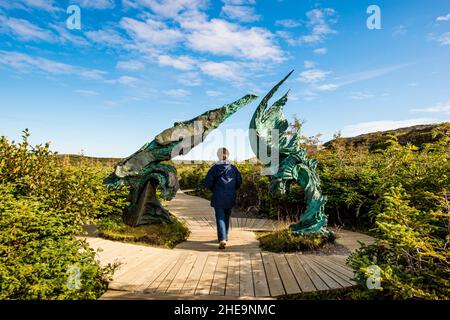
(152, 32)
(221, 70)
(96, 4)
(191, 79)
(125, 80)
(444, 18)
(327, 87)
(288, 23)
(91, 73)
(213, 93)
(220, 37)
(368, 74)
(399, 31)
(177, 93)
(313, 75)
(443, 107)
(307, 64)
(320, 51)
(87, 93)
(239, 2)
(169, 8)
(107, 37)
(181, 62)
(25, 30)
(361, 95)
(240, 13)
(65, 36)
(319, 23)
(47, 5)
(383, 125)
(131, 65)
(25, 63)
(308, 95)
(182, 25)
(443, 39)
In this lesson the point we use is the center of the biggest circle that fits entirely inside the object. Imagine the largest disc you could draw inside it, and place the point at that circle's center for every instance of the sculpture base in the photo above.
(145, 207)
(299, 230)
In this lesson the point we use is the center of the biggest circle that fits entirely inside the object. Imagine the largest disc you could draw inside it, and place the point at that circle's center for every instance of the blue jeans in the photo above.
(223, 222)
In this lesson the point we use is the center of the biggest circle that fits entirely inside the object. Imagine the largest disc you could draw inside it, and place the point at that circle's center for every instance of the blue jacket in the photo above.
(223, 179)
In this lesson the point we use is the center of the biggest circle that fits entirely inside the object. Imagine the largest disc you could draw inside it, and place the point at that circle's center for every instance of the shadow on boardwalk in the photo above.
(196, 269)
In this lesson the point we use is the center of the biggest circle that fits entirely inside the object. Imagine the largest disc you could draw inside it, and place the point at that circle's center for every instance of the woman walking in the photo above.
(223, 179)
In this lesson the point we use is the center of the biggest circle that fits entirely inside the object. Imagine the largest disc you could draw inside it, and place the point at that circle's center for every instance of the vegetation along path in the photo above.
(197, 269)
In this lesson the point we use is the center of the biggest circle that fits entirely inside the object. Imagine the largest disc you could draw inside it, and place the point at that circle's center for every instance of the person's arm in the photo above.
(238, 178)
(209, 180)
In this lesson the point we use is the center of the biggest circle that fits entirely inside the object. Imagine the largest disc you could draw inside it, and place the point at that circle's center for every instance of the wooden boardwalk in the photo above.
(196, 269)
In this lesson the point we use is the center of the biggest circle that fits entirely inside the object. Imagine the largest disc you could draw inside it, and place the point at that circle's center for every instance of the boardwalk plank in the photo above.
(273, 277)
(204, 285)
(131, 273)
(220, 276)
(260, 223)
(286, 275)
(323, 274)
(232, 283)
(332, 271)
(245, 276)
(344, 269)
(155, 284)
(180, 278)
(195, 274)
(259, 276)
(303, 280)
(152, 274)
(318, 282)
(165, 283)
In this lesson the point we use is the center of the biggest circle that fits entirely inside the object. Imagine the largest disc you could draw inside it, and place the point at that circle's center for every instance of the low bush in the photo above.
(283, 240)
(39, 256)
(166, 235)
(43, 205)
(410, 256)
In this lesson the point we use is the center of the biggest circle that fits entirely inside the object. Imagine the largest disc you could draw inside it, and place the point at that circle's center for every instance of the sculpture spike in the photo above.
(293, 165)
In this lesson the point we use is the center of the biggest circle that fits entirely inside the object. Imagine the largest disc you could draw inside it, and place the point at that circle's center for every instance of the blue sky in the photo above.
(136, 66)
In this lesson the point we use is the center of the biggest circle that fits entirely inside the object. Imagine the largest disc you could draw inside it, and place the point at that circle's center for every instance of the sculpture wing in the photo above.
(177, 140)
(265, 121)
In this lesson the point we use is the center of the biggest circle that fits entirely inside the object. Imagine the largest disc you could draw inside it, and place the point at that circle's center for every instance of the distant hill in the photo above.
(416, 135)
(75, 159)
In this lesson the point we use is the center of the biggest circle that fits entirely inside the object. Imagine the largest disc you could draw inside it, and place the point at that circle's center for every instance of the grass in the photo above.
(166, 235)
(283, 240)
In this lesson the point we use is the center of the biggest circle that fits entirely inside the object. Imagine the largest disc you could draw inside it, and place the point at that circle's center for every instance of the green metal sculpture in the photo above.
(292, 165)
(144, 172)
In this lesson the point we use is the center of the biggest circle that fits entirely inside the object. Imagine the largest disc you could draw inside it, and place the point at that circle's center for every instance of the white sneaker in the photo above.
(222, 244)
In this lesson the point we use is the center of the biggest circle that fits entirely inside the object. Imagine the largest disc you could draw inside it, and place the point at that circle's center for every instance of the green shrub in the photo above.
(411, 250)
(43, 204)
(38, 252)
(283, 240)
(166, 235)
